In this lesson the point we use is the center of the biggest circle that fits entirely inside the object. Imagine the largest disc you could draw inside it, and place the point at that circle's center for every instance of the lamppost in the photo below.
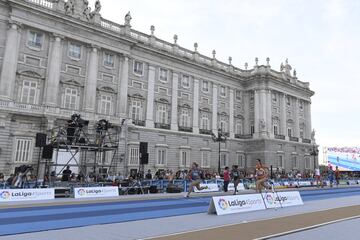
(221, 137)
(314, 152)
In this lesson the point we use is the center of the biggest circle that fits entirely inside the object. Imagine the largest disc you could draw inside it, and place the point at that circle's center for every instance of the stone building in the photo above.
(58, 58)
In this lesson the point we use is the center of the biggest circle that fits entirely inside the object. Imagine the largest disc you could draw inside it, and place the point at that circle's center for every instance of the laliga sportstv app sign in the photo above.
(235, 204)
(91, 192)
(9, 195)
(282, 199)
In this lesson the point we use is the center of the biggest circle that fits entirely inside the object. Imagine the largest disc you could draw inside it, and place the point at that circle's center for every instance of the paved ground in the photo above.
(314, 201)
(341, 230)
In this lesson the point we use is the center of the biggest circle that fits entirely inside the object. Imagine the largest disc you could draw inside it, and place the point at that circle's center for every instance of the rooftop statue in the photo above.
(127, 18)
(97, 6)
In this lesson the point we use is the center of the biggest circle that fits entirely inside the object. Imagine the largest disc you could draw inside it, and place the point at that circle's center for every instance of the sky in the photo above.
(321, 39)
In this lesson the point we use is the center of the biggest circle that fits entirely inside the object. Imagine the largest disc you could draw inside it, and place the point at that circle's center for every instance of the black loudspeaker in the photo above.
(144, 159)
(143, 147)
(47, 152)
(40, 140)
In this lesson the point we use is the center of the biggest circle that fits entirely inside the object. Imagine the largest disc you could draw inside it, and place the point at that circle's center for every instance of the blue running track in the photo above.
(35, 219)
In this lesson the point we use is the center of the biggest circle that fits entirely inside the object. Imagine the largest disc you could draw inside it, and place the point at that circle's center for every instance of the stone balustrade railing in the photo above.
(166, 46)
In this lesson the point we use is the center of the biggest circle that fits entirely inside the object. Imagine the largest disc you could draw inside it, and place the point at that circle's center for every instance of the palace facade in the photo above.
(58, 58)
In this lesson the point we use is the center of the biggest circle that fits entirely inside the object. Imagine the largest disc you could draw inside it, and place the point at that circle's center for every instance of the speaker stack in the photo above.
(144, 155)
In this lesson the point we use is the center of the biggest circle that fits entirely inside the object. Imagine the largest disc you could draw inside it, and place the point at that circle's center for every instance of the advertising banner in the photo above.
(10, 195)
(94, 192)
(240, 187)
(210, 187)
(282, 199)
(235, 204)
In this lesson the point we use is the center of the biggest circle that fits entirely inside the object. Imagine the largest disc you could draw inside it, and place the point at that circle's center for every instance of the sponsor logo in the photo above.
(269, 199)
(223, 204)
(81, 192)
(5, 195)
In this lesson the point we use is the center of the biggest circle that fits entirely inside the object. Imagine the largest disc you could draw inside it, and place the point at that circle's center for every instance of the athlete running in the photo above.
(195, 177)
(235, 175)
(261, 176)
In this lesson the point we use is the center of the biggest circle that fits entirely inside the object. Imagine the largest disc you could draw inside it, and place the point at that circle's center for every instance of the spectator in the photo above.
(226, 178)
(66, 174)
(148, 175)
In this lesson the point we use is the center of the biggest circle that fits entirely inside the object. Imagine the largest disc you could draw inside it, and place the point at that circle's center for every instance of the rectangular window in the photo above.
(238, 128)
(294, 162)
(238, 95)
(205, 86)
(108, 60)
(104, 158)
(23, 150)
(205, 122)
(184, 158)
(223, 126)
(240, 160)
(161, 114)
(280, 161)
(70, 98)
(224, 160)
(252, 129)
(184, 118)
(163, 75)
(289, 132)
(106, 105)
(205, 159)
(138, 68)
(222, 91)
(75, 50)
(134, 156)
(185, 81)
(301, 133)
(307, 163)
(161, 157)
(29, 92)
(35, 39)
(276, 130)
(136, 110)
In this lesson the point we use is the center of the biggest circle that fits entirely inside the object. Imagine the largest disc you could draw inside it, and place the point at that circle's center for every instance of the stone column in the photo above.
(231, 114)
(268, 113)
(214, 108)
(91, 82)
(283, 130)
(247, 113)
(196, 107)
(53, 74)
(256, 111)
(308, 120)
(174, 102)
(150, 98)
(9, 65)
(296, 119)
(123, 90)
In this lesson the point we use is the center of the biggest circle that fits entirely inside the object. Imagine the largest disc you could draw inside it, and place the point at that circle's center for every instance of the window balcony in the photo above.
(162, 126)
(242, 136)
(205, 131)
(185, 129)
(281, 137)
(139, 122)
(306, 140)
(294, 139)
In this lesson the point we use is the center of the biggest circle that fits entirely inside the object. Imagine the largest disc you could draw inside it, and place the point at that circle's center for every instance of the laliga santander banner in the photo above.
(10, 195)
(93, 192)
(236, 204)
(210, 187)
(282, 199)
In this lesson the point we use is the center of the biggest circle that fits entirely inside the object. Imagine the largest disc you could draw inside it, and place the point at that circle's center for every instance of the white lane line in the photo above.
(244, 221)
(307, 228)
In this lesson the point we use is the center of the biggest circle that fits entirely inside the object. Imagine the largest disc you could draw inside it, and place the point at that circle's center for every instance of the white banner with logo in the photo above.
(236, 203)
(9, 195)
(209, 187)
(282, 199)
(240, 187)
(93, 192)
